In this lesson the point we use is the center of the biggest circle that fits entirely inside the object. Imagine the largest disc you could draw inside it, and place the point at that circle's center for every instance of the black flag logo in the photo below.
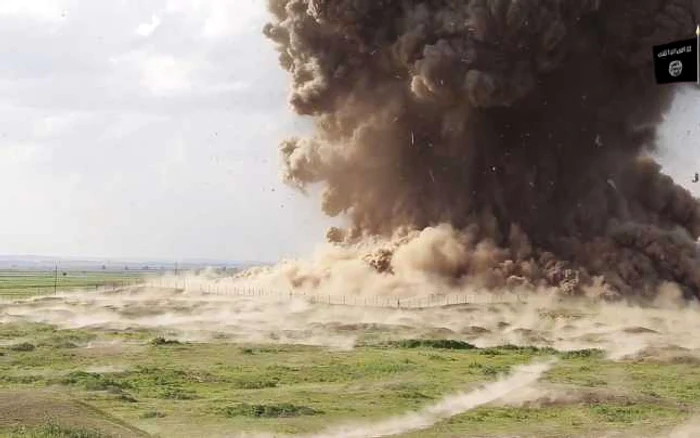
(677, 62)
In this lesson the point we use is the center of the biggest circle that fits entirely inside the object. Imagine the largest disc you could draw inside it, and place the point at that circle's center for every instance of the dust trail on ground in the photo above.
(688, 430)
(448, 407)
(107, 369)
(665, 330)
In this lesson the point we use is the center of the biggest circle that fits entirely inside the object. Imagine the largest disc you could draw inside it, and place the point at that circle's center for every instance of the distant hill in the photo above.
(41, 262)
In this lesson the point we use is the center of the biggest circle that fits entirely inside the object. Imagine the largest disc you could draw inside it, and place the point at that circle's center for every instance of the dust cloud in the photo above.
(665, 331)
(497, 143)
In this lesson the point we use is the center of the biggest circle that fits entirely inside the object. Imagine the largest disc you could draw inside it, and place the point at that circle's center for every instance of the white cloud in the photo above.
(146, 29)
(41, 10)
(144, 129)
(678, 150)
(18, 154)
(57, 124)
(221, 18)
(227, 18)
(163, 74)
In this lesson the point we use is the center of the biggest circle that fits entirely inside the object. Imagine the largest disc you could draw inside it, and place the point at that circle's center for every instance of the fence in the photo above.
(416, 302)
(231, 290)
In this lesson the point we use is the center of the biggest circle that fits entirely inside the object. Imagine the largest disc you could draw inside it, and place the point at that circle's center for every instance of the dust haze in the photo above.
(664, 331)
(493, 143)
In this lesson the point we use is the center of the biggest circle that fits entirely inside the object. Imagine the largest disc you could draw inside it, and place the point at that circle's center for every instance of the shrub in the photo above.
(284, 410)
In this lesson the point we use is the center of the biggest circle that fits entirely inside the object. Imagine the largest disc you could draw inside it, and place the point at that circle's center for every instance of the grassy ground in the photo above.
(67, 383)
(15, 283)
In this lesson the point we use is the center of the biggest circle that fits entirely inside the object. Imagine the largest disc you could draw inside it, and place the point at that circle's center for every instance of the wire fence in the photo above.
(224, 289)
(415, 302)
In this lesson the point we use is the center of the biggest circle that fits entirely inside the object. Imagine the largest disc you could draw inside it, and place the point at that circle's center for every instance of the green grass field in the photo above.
(16, 283)
(133, 382)
(82, 383)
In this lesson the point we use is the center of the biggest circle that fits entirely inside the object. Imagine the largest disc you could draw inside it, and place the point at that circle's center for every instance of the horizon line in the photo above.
(139, 259)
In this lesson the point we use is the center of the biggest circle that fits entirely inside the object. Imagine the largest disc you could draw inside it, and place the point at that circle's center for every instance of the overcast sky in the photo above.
(147, 129)
(133, 128)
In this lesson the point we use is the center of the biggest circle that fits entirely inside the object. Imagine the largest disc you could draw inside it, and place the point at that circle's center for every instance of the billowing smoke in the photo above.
(516, 131)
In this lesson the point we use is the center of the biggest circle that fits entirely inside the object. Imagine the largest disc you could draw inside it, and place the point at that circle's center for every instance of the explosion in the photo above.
(516, 132)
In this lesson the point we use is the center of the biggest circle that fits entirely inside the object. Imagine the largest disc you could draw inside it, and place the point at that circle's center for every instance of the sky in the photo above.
(145, 129)
(149, 129)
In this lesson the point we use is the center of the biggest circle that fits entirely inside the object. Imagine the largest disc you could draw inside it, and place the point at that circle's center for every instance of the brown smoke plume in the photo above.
(521, 125)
